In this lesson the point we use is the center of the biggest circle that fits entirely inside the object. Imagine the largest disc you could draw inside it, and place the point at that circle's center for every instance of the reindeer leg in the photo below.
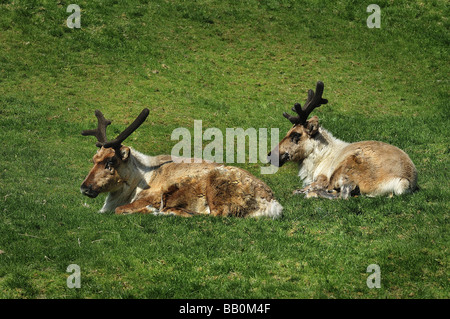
(310, 192)
(323, 193)
(348, 190)
(318, 188)
(176, 211)
(143, 206)
(138, 206)
(304, 190)
(149, 202)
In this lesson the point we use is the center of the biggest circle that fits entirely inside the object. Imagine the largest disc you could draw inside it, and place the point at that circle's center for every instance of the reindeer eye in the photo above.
(295, 137)
(109, 163)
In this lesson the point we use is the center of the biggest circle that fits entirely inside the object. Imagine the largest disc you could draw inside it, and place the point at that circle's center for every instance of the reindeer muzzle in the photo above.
(275, 159)
(88, 191)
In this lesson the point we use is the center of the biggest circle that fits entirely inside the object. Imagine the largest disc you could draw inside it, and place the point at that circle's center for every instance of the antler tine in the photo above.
(100, 131)
(117, 142)
(313, 101)
(292, 119)
(297, 108)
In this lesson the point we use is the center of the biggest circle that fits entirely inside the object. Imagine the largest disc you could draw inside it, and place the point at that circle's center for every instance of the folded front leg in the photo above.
(318, 188)
(155, 202)
(138, 206)
(149, 202)
(349, 190)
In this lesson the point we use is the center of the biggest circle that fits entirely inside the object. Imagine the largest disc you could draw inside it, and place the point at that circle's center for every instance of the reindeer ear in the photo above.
(312, 126)
(124, 153)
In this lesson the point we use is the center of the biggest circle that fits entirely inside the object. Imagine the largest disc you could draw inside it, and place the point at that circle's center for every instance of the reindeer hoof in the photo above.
(118, 211)
(298, 192)
(311, 195)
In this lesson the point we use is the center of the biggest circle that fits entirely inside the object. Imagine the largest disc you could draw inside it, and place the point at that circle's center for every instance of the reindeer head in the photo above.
(105, 176)
(297, 145)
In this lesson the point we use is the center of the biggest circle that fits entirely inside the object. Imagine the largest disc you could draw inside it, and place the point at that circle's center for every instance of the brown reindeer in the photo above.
(139, 183)
(331, 168)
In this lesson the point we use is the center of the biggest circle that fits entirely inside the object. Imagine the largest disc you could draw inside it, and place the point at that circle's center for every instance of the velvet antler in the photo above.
(314, 100)
(100, 132)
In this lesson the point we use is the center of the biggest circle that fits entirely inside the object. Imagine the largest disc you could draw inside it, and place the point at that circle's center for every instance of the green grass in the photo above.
(229, 64)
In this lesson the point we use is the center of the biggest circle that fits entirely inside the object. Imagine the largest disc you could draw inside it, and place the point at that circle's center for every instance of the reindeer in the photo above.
(138, 183)
(331, 168)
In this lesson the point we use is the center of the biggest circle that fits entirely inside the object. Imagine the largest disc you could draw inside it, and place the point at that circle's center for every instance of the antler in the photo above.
(100, 132)
(314, 100)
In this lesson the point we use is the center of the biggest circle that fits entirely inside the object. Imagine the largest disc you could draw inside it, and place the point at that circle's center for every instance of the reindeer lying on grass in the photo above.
(331, 168)
(138, 183)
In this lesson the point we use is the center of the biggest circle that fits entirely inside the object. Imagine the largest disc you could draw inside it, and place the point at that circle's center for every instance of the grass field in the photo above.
(230, 64)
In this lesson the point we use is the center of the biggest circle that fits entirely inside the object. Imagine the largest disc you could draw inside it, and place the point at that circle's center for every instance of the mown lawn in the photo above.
(230, 64)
